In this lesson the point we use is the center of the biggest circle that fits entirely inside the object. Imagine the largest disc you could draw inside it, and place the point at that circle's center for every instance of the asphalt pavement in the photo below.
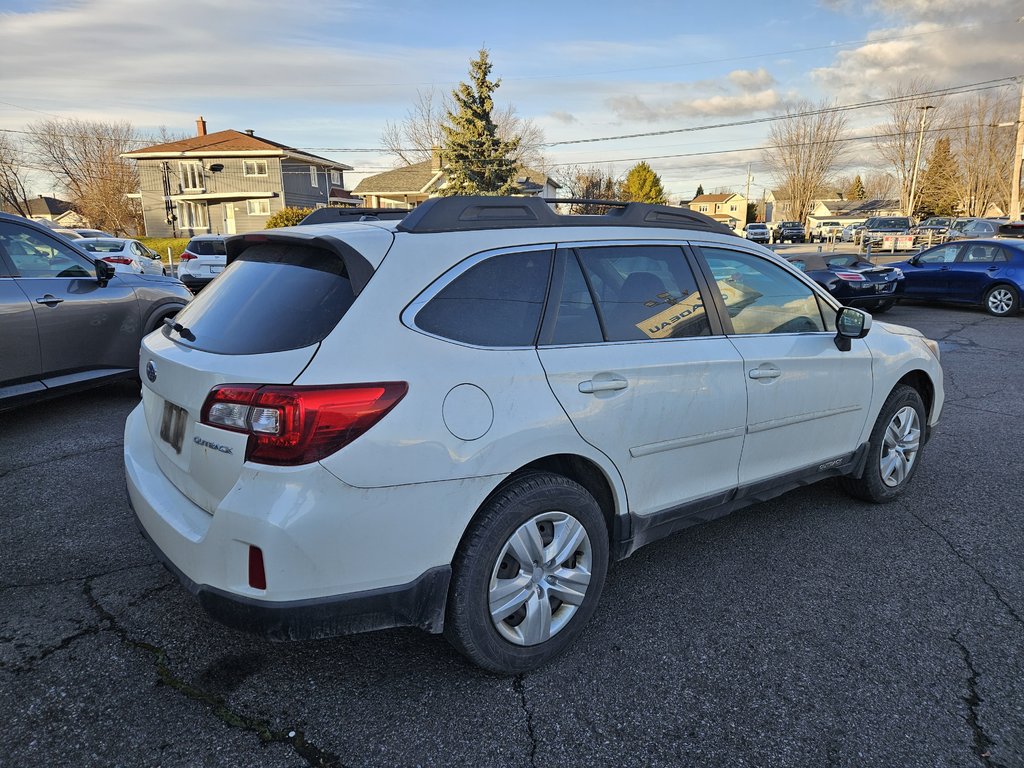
(811, 630)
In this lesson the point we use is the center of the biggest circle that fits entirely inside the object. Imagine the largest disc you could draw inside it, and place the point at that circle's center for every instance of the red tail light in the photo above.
(257, 573)
(117, 260)
(186, 256)
(853, 277)
(298, 425)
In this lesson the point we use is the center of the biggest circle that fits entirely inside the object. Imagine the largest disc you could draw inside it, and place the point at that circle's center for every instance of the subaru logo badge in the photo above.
(151, 370)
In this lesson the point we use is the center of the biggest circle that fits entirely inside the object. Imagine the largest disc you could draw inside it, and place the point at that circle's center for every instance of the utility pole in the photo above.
(746, 197)
(1014, 211)
(917, 159)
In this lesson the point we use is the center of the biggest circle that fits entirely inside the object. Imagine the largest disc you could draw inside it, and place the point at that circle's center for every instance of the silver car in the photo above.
(67, 320)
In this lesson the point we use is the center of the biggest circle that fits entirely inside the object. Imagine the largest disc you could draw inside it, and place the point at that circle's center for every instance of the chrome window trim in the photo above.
(408, 316)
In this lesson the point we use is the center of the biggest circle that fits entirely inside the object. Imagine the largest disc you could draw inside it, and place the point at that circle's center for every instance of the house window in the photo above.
(312, 176)
(732, 208)
(703, 209)
(192, 215)
(191, 175)
(254, 168)
(335, 177)
(258, 207)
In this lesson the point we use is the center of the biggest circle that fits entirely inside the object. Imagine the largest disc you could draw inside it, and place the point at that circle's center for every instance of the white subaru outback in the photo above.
(454, 420)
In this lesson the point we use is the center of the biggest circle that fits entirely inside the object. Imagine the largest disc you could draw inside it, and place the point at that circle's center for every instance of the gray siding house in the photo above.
(229, 182)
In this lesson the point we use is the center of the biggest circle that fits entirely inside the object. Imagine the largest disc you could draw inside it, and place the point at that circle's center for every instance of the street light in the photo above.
(917, 159)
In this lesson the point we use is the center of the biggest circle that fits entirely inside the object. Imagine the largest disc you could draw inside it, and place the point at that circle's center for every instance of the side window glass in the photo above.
(36, 255)
(944, 255)
(762, 297)
(980, 252)
(496, 303)
(645, 292)
(575, 321)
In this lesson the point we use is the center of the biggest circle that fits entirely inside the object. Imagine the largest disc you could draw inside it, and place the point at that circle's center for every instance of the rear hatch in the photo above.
(259, 324)
(210, 257)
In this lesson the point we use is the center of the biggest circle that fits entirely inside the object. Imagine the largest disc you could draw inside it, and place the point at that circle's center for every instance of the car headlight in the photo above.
(899, 273)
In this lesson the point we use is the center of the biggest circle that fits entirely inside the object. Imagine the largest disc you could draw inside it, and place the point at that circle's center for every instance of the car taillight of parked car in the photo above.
(289, 425)
(186, 256)
(117, 260)
(853, 277)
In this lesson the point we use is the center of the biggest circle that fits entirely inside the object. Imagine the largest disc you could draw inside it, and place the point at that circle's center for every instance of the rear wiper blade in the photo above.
(184, 332)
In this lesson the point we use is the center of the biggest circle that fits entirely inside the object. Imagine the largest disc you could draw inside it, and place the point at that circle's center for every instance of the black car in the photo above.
(855, 282)
(875, 229)
(789, 230)
(936, 226)
(67, 320)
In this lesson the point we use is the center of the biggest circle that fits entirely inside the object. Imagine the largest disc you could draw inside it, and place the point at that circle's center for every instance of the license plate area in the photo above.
(172, 425)
(885, 287)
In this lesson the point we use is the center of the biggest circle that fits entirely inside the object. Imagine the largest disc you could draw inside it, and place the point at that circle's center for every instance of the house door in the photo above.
(229, 218)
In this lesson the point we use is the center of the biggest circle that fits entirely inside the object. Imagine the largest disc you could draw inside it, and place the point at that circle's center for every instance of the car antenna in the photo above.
(184, 332)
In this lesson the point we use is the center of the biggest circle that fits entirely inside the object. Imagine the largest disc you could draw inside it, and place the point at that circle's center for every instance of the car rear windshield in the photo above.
(206, 247)
(272, 298)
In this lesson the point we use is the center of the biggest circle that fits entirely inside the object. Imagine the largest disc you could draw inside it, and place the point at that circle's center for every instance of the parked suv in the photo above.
(67, 320)
(454, 421)
(875, 229)
(788, 230)
(203, 259)
(758, 232)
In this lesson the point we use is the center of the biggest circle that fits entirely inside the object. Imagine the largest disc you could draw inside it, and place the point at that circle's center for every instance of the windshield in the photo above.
(103, 246)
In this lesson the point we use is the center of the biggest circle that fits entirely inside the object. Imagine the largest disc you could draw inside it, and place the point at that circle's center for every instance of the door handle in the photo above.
(764, 373)
(49, 300)
(992, 269)
(590, 386)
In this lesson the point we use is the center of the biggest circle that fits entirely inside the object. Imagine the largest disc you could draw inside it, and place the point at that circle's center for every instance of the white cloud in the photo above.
(752, 80)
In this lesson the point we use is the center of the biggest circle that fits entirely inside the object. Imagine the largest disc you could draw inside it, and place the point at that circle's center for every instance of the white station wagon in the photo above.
(452, 421)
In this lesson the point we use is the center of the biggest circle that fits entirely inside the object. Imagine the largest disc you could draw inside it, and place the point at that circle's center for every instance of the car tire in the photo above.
(521, 526)
(1002, 300)
(894, 448)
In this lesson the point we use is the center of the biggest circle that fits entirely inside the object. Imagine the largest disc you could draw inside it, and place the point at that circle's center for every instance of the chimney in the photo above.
(249, 132)
(435, 159)
(200, 126)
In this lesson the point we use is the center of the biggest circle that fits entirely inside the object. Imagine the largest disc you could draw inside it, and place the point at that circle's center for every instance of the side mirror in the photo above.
(851, 324)
(104, 272)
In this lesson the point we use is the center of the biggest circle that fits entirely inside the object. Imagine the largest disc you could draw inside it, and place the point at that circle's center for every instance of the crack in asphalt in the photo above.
(961, 404)
(313, 755)
(519, 687)
(78, 579)
(982, 743)
(29, 664)
(63, 456)
(984, 580)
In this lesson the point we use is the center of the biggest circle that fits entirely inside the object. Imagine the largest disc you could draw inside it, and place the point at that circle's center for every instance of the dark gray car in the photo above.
(68, 321)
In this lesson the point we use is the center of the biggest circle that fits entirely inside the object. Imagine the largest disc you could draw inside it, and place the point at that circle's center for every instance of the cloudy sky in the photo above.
(328, 75)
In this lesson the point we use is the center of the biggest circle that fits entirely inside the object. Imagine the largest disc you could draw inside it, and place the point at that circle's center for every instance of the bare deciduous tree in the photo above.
(896, 139)
(588, 183)
(879, 185)
(84, 157)
(413, 139)
(13, 195)
(984, 150)
(802, 153)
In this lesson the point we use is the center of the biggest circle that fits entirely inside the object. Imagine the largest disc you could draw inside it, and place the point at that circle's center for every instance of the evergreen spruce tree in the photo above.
(700, 190)
(938, 195)
(477, 161)
(643, 185)
(856, 190)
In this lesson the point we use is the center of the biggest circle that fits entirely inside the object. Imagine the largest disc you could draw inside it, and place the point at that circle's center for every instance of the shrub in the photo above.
(288, 217)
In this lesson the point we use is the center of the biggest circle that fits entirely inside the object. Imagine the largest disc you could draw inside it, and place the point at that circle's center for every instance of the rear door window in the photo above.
(496, 302)
(272, 298)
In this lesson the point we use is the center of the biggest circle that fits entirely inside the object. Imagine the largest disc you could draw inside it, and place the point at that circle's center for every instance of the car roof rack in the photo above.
(333, 215)
(461, 213)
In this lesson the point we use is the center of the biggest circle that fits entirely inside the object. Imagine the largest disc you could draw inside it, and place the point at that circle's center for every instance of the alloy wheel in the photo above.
(900, 446)
(1000, 301)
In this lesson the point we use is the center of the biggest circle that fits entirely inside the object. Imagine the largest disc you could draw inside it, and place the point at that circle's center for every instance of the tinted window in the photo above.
(496, 303)
(945, 254)
(36, 255)
(645, 292)
(271, 298)
(983, 252)
(762, 297)
(206, 247)
(575, 319)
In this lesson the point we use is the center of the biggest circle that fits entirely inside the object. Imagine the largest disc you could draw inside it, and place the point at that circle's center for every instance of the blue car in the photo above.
(985, 272)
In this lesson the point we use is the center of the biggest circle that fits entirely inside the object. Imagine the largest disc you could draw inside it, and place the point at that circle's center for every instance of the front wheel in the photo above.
(1002, 300)
(893, 448)
(528, 575)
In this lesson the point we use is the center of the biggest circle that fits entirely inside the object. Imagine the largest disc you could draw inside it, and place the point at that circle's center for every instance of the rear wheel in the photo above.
(528, 576)
(1002, 300)
(893, 448)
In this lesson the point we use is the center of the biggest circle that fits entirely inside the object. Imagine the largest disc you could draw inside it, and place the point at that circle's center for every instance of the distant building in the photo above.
(728, 208)
(230, 181)
(851, 211)
(409, 186)
(59, 212)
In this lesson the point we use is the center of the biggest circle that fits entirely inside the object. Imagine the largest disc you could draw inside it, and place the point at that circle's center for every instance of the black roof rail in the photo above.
(333, 215)
(460, 213)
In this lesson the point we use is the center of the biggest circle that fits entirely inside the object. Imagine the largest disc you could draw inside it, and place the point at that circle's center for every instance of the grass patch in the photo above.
(161, 244)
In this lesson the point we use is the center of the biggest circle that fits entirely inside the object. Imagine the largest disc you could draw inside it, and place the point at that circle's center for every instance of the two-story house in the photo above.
(229, 182)
(728, 208)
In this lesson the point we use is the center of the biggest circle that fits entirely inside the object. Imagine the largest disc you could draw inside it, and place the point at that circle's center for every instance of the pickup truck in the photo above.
(788, 230)
(825, 230)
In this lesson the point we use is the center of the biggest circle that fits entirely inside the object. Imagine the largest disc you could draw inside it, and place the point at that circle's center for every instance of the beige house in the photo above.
(407, 187)
(851, 211)
(728, 208)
